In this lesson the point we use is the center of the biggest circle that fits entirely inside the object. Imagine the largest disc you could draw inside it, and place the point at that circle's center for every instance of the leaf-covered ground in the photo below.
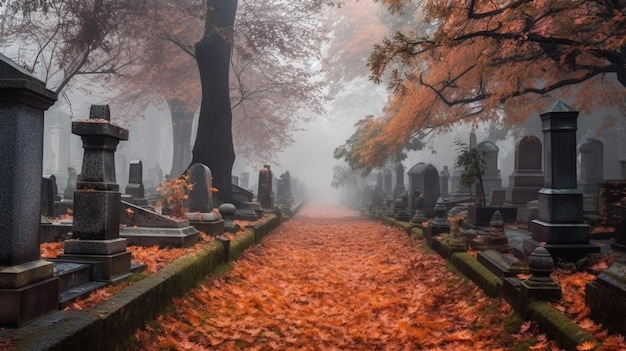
(329, 280)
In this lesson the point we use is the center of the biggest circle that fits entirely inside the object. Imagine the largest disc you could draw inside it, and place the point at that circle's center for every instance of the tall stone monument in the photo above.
(399, 189)
(560, 223)
(28, 289)
(97, 199)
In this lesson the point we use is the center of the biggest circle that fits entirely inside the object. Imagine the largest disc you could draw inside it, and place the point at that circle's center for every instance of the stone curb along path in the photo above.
(108, 325)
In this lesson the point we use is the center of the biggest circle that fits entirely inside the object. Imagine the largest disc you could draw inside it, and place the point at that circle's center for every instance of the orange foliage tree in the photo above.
(481, 60)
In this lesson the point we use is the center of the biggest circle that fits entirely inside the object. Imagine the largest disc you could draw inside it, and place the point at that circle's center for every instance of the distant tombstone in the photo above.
(234, 180)
(200, 197)
(623, 163)
(283, 193)
(387, 177)
(610, 137)
(591, 165)
(135, 186)
(425, 179)
(72, 178)
(379, 182)
(265, 195)
(48, 193)
(591, 172)
(444, 180)
(527, 177)
(400, 189)
(244, 180)
(491, 178)
(155, 176)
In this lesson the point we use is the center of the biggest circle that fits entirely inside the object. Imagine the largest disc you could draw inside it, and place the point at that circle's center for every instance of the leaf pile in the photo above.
(333, 281)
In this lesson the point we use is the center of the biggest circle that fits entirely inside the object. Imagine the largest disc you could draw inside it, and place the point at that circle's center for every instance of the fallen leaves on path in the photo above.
(334, 281)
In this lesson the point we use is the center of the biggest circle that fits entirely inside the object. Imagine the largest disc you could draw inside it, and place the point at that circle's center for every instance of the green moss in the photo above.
(478, 273)
(222, 270)
(557, 326)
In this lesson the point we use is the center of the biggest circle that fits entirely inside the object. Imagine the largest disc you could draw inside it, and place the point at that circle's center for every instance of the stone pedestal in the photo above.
(97, 200)
(561, 224)
(28, 289)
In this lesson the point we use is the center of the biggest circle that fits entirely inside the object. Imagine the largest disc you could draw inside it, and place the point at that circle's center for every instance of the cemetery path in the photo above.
(329, 280)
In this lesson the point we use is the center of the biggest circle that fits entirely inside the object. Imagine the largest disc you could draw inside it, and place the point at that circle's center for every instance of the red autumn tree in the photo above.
(481, 60)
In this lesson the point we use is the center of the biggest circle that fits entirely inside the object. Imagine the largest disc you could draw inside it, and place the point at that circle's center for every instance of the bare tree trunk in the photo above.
(214, 141)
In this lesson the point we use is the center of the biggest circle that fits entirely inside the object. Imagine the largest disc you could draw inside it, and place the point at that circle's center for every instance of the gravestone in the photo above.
(72, 178)
(283, 190)
(155, 177)
(200, 201)
(560, 223)
(135, 186)
(591, 172)
(234, 180)
(200, 196)
(28, 288)
(623, 164)
(399, 190)
(48, 195)
(527, 177)
(491, 178)
(425, 179)
(265, 195)
(387, 177)
(444, 180)
(379, 182)
(459, 192)
(97, 199)
(244, 180)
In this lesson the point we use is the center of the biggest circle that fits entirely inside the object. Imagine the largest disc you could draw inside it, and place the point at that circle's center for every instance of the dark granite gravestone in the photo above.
(48, 188)
(591, 172)
(97, 199)
(200, 201)
(425, 179)
(200, 196)
(135, 186)
(623, 164)
(560, 224)
(491, 179)
(399, 190)
(28, 289)
(527, 177)
(265, 195)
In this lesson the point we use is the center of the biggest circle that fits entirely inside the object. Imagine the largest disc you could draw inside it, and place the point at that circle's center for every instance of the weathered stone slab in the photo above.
(132, 215)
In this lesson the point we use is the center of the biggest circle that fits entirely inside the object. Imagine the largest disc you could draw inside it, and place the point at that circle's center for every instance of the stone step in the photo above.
(77, 279)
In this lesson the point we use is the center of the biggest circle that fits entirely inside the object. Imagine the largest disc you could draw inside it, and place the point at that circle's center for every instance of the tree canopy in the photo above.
(480, 60)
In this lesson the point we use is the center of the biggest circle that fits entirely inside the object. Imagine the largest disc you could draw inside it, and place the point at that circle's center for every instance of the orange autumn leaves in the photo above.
(334, 281)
